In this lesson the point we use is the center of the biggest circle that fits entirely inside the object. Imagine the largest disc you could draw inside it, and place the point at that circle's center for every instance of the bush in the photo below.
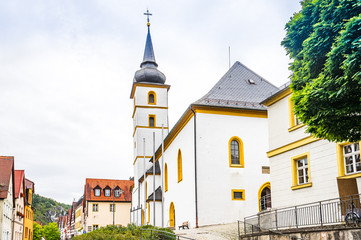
(130, 232)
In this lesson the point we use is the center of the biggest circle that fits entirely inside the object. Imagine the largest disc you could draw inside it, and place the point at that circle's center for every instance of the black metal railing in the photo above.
(154, 234)
(327, 212)
(246, 228)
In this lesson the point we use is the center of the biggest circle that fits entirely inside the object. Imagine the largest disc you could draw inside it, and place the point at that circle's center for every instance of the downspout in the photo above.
(195, 165)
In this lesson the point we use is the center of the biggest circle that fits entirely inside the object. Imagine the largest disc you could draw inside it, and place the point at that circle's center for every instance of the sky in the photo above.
(67, 67)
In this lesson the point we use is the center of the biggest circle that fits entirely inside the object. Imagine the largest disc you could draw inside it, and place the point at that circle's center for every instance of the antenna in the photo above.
(229, 56)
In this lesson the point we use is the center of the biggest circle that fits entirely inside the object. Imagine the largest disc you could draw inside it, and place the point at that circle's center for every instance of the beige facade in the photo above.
(99, 214)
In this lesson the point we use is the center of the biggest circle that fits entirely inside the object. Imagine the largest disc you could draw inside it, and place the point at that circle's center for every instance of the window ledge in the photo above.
(236, 166)
(301, 186)
(296, 127)
(353, 175)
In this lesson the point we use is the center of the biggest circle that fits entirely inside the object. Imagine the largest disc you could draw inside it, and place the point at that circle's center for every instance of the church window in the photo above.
(238, 194)
(236, 158)
(152, 97)
(301, 171)
(165, 177)
(179, 166)
(151, 121)
(146, 190)
(148, 213)
(95, 207)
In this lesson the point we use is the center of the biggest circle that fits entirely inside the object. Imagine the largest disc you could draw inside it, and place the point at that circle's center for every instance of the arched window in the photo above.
(165, 177)
(146, 190)
(179, 166)
(152, 97)
(151, 120)
(171, 215)
(148, 213)
(236, 158)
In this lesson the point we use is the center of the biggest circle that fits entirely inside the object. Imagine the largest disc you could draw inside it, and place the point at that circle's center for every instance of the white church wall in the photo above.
(181, 193)
(160, 116)
(278, 117)
(141, 96)
(323, 172)
(216, 178)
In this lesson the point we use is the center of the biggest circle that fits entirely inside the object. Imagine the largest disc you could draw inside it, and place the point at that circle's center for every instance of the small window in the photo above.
(301, 171)
(238, 194)
(89, 228)
(151, 97)
(97, 192)
(95, 207)
(95, 227)
(151, 120)
(107, 192)
(112, 207)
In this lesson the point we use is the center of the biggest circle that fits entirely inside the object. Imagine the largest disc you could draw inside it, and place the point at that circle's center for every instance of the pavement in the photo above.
(213, 232)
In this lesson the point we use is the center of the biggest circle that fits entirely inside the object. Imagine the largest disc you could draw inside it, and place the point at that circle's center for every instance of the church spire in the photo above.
(149, 71)
(148, 57)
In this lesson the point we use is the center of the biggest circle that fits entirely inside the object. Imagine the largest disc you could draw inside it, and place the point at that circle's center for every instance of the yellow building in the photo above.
(29, 213)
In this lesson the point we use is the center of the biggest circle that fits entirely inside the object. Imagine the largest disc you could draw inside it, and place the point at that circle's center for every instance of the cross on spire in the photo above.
(148, 14)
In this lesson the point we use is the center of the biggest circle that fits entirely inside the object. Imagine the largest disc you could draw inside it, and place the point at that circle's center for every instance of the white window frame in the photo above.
(305, 170)
(107, 192)
(353, 155)
(97, 192)
(96, 207)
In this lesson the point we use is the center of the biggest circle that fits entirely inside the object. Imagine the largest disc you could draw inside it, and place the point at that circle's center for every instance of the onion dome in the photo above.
(148, 72)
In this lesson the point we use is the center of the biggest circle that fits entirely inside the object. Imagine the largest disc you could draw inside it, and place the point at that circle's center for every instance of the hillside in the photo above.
(48, 210)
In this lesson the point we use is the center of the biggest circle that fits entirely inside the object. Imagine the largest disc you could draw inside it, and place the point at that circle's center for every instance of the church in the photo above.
(210, 167)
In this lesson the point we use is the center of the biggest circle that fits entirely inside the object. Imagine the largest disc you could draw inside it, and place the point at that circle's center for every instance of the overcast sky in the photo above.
(66, 71)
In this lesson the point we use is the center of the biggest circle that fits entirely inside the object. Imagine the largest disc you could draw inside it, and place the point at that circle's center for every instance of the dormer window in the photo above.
(97, 191)
(107, 191)
(117, 191)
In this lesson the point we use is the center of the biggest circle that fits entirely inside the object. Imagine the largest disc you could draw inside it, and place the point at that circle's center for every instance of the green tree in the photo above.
(37, 231)
(324, 42)
(51, 231)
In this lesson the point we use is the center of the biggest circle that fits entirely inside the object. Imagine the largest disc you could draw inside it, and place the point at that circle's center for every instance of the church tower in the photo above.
(150, 115)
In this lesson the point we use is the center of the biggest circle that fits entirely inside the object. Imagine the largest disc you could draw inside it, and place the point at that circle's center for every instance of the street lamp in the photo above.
(118, 192)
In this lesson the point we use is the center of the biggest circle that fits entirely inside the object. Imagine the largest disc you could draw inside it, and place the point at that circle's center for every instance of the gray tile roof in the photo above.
(158, 195)
(150, 171)
(241, 88)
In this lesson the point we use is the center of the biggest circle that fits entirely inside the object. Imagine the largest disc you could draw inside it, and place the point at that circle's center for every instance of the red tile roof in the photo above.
(124, 185)
(6, 169)
(19, 178)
